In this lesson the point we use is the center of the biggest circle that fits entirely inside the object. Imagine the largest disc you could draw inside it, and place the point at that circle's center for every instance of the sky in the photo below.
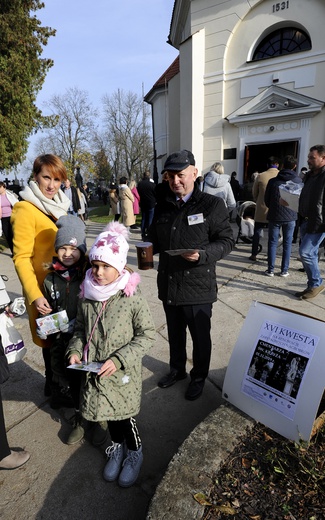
(101, 46)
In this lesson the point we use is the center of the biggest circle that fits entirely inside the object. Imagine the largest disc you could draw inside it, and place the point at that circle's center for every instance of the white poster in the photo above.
(276, 370)
(277, 366)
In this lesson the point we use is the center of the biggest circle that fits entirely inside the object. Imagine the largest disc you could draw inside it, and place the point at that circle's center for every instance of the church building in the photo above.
(248, 83)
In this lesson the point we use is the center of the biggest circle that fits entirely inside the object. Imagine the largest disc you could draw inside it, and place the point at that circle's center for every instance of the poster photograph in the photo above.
(277, 366)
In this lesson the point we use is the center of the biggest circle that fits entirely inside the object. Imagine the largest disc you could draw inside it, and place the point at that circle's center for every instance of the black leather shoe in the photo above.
(195, 389)
(171, 378)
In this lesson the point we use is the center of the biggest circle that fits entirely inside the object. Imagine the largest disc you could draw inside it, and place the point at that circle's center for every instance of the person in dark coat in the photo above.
(147, 191)
(197, 223)
(235, 186)
(72, 194)
(280, 217)
(8, 459)
(312, 221)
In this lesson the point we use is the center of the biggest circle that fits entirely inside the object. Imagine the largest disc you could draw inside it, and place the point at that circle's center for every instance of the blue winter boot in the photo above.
(131, 468)
(115, 455)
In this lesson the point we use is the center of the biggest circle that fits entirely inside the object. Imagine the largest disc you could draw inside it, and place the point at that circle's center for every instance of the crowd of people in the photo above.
(282, 220)
(108, 326)
(127, 200)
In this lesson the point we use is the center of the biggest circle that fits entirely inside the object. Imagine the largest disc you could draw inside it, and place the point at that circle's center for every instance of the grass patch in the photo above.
(100, 215)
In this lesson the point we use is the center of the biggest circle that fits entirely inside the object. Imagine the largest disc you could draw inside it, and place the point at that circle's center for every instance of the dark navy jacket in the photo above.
(181, 282)
(277, 212)
(315, 202)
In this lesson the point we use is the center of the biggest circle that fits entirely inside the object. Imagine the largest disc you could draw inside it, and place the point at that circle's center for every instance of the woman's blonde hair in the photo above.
(132, 185)
(218, 168)
(53, 163)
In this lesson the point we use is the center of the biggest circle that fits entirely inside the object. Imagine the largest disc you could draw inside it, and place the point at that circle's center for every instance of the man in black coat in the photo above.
(312, 221)
(147, 191)
(197, 224)
(72, 194)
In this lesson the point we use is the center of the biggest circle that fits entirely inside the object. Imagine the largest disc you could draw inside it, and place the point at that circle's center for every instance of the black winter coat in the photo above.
(277, 212)
(147, 192)
(181, 282)
(316, 204)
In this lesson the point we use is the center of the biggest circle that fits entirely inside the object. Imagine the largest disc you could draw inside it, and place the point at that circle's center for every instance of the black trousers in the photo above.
(7, 231)
(198, 320)
(47, 363)
(4, 446)
(125, 430)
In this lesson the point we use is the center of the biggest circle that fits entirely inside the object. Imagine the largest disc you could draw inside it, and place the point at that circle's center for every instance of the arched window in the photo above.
(282, 41)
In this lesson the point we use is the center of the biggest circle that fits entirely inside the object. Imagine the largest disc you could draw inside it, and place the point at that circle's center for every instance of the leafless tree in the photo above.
(127, 130)
(73, 130)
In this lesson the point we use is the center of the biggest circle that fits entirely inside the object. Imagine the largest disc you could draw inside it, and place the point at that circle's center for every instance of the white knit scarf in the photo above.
(93, 291)
(55, 207)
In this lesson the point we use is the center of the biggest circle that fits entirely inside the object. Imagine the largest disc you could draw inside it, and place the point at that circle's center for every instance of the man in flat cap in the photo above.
(197, 224)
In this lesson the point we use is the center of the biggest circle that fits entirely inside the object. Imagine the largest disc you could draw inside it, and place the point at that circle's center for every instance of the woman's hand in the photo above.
(42, 306)
(107, 369)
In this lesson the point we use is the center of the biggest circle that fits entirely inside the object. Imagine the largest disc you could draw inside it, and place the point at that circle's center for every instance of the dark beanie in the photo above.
(72, 232)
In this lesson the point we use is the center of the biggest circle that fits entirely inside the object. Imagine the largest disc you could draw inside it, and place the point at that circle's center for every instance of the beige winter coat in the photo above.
(259, 188)
(113, 199)
(126, 199)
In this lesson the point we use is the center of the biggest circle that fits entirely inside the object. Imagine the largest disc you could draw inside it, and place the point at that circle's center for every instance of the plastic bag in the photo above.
(12, 342)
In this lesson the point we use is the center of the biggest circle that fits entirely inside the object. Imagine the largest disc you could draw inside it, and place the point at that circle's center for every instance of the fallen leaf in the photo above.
(201, 499)
(249, 493)
(227, 510)
(267, 437)
(246, 463)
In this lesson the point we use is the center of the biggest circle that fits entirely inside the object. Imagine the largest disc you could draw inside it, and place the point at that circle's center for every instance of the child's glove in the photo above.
(68, 327)
(18, 307)
(40, 334)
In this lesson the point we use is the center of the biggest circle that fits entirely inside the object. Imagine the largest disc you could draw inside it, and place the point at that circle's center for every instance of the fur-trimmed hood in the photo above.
(132, 284)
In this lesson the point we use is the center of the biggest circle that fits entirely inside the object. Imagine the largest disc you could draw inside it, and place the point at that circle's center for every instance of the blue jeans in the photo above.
(274, 232)
(308, 251)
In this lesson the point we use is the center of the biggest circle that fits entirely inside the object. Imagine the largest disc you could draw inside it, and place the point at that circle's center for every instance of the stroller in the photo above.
(245, 221)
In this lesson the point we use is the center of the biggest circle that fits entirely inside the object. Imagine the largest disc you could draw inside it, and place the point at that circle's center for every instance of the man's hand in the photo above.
(191, 257)
(283, 202)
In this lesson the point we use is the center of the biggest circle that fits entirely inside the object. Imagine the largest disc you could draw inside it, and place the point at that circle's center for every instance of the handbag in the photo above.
(12, 342)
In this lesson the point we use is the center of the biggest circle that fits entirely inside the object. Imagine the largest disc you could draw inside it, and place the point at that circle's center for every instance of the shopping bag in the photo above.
(12, 342)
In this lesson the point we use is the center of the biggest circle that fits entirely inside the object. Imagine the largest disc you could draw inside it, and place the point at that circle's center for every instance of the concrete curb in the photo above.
(192, 467)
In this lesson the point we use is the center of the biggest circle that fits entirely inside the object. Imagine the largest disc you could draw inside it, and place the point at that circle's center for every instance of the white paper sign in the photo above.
(274, 374)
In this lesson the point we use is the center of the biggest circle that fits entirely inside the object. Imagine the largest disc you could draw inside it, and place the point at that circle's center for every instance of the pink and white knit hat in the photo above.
(111, 246)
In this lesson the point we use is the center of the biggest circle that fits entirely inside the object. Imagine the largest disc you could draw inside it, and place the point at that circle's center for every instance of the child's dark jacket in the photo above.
(61, 289)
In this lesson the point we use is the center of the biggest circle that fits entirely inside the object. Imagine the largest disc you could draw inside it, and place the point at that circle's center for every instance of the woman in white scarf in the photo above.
(33, 222)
